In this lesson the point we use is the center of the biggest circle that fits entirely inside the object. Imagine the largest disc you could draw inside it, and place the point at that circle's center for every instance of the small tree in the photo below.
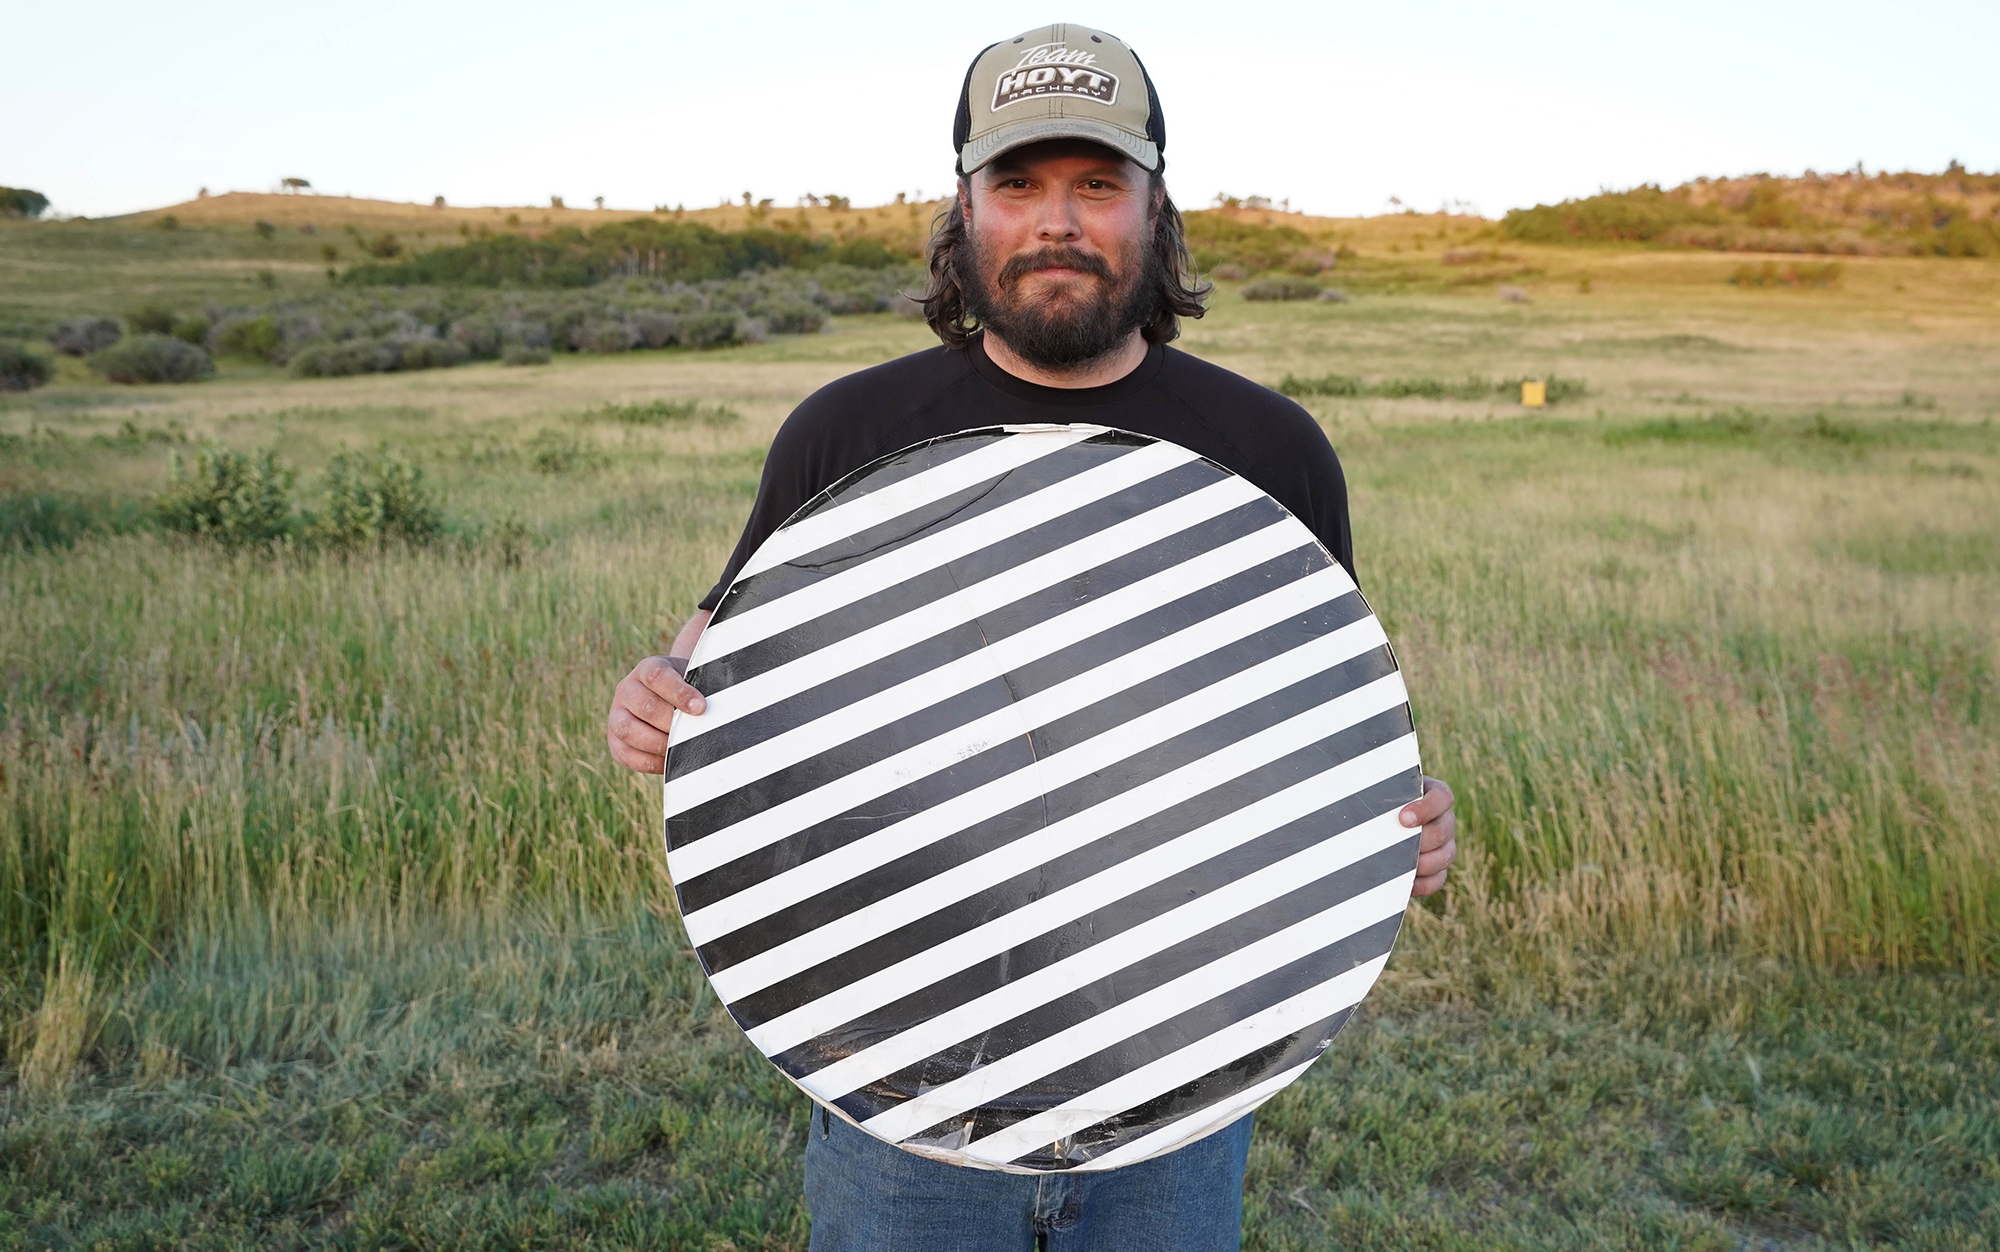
(229, 497)
(20, 202)
(372, 498)
(295, 185)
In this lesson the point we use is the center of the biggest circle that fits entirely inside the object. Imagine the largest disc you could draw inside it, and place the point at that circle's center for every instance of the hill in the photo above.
(1955, 213)
(903, 225)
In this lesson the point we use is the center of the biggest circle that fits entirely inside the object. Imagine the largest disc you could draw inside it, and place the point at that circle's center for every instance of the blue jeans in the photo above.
(870, 1196)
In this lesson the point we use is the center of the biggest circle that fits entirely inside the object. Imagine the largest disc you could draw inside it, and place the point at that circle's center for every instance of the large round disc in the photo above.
(1045, 811)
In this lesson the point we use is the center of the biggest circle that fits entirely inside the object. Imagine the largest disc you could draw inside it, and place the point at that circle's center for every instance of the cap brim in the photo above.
(1007, 138)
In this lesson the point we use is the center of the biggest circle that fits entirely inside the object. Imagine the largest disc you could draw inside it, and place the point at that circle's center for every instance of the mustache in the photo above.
(1051, 257)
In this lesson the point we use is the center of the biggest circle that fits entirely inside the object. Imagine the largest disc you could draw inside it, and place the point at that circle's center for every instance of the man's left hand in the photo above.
(1440, 839)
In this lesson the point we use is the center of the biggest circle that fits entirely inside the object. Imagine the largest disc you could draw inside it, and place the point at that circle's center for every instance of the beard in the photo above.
(1067, 330)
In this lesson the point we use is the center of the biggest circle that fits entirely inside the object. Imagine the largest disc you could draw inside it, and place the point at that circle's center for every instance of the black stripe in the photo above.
(966, 638)
(1105, 714)
(1030, 815)
(930, 931)
(1126, 983)
(936, 583)
(885, 537)
(1125, 1055)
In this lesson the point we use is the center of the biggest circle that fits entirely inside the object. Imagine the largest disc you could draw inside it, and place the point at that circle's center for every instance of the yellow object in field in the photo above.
(1534, 394)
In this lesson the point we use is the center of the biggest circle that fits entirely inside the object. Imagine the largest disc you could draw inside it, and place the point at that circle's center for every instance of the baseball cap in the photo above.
(1058, 82)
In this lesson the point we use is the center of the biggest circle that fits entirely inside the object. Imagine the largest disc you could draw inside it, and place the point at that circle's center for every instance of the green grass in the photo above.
(326, 922)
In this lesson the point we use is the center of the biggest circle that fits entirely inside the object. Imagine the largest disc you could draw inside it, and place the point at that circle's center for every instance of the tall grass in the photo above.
(1683, 718)
(1682, 715)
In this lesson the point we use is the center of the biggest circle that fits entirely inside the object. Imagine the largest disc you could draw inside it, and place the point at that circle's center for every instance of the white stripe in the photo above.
(1002, 456)
(967, 807)
(1196, 1125)
(1060, 838)
(880, 777)
(774, 617)
(1132, 1017)
(990, 663)
(1156, 935)
(1306, 1009)
(843, 656)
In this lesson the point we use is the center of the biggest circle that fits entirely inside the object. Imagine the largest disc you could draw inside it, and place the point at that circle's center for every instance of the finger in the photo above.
(1436, 860)
(658, 677)
(632, 758)
(649, 705)
(1435, 802)
(1427, 886)
(636, 734)
(1438, 833)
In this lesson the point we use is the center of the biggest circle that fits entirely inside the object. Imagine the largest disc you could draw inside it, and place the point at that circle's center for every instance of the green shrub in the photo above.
(554, 452)
(20, 369)
(152, 358)
(522, 354)
(640, 248)
(1430, 389)
(372, 498)
(192, 329)
(41, 519)
(152, 318)
(1472, 388)
(256, 337)
(1643, 213)
(234, 499)
(663, 413)
(1282, 289)
(84, 335)
(1325, 385)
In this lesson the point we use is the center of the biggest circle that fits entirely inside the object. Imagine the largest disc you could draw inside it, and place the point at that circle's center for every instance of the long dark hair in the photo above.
(1180, 293)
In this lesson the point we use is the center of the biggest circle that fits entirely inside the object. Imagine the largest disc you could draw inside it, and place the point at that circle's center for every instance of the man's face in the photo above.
(1062, 254)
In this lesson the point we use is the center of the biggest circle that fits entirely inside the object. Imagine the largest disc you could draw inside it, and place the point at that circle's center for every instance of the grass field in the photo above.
(326, 922)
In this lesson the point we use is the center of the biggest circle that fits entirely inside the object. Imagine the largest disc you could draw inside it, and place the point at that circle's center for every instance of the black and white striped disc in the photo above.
(1044, 814)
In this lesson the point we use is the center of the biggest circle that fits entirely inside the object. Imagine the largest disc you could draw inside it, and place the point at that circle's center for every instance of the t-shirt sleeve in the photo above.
(1326, 491)
(795, 470)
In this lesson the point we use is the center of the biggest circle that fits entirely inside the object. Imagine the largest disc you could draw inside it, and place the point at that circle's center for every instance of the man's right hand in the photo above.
(641, 710)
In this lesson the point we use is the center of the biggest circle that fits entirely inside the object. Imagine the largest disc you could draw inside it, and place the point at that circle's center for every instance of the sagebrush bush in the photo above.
(340, 358)
(82, 336)
(21, 369)
(192, 329)
(372, 498)
(522, 354)
(152, 358)
(233, 499)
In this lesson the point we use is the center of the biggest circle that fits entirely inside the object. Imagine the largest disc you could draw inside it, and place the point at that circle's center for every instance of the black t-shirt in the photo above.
(1244, 427)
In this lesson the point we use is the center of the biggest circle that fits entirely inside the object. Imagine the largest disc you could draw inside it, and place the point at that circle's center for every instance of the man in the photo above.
(1057, 280)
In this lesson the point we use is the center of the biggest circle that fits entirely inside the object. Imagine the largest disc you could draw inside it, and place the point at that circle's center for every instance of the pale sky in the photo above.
(1336, 106)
